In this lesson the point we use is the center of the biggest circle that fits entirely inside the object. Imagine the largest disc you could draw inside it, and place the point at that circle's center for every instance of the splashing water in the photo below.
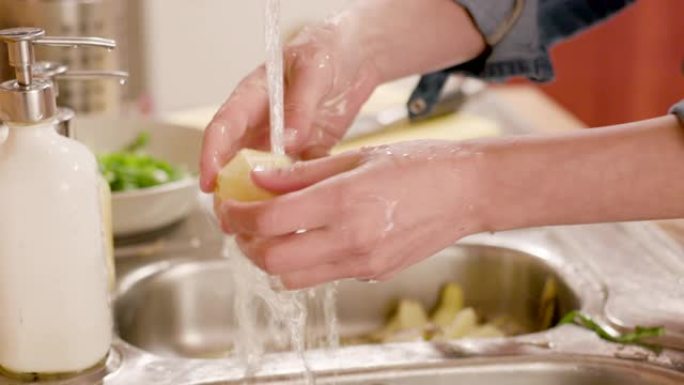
(257, 296)
(332, 327)
(290, 304)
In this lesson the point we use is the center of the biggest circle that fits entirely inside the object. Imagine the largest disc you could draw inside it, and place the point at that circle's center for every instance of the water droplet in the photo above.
(371, 281)
(122, 82)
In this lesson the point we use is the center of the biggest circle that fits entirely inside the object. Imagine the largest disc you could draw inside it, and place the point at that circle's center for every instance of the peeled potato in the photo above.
(463, 323)
(406, 323)
(234, 181)
(485, 331)
(450, 303)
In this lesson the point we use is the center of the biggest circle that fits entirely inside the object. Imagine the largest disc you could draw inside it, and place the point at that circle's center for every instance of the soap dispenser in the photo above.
(55, 315)
(56, 71)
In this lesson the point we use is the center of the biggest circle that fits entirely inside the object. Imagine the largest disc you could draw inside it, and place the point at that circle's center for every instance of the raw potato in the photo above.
(450, 303)
(547, 303)
(234, 181)
(485, 331)
(406, 324)
(448, 321)
(464, 323)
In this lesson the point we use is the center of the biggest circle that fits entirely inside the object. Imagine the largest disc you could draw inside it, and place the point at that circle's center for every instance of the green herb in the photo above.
(139, 143)
(131, 168)
(635, 337)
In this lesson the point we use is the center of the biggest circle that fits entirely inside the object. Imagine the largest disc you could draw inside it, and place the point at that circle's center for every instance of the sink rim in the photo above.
(285, 368)
(479, 364)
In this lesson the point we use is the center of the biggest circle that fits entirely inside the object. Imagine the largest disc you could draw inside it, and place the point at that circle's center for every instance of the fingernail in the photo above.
(266, 171)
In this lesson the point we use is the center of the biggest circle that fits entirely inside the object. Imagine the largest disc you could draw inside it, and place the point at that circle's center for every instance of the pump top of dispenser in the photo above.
(52, 70)
(30, 99)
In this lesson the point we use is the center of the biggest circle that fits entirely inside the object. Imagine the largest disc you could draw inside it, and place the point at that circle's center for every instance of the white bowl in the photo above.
(140, 211)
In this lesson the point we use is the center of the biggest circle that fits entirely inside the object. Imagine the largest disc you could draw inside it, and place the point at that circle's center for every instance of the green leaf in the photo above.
(140, 142)
(635, 337)
(132, 169)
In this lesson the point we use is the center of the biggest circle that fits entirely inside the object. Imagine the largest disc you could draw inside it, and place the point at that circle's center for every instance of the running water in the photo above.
(286, 312)
(274, 74)
(293, 304)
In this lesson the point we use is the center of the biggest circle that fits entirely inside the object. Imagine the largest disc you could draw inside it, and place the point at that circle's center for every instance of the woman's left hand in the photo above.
(365, 214)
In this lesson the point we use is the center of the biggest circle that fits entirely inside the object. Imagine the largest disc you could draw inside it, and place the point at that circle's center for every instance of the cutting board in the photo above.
(460, 126)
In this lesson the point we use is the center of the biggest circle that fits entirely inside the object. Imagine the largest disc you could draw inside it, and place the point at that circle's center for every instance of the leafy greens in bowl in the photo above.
(132, 168)
(151, 167)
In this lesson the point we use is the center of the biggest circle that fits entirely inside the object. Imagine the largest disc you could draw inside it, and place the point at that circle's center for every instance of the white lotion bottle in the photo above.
(55, 315)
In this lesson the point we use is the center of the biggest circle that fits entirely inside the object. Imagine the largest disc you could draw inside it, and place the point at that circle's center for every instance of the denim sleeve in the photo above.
(678, 111)
(523, 51)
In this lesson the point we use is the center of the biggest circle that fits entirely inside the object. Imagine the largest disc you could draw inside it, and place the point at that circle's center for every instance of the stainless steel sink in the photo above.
(566, 370)
(185, 309)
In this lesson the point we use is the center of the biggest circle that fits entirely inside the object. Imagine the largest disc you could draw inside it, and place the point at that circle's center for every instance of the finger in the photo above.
(412, 250)
(295, 252)
(306, 209)
(321, 274)
(308, 81)
(250, 247)
(225, 226)
(397, 253)
(246, 107)
(314, 152)
(304, 174)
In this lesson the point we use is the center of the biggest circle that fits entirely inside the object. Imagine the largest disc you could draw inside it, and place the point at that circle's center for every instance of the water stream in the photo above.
(265, 315)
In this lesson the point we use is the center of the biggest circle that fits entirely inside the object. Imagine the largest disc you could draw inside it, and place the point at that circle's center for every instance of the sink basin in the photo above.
(185, 309)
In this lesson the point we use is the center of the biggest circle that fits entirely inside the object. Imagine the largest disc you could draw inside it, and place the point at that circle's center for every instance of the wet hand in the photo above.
(366, 214)
(328, 77)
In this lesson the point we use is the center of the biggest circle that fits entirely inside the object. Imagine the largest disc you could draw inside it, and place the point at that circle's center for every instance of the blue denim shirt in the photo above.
(523, 51)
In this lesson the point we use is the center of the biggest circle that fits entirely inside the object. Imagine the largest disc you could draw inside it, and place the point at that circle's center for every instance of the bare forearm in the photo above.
(407, 37)
(620, 173)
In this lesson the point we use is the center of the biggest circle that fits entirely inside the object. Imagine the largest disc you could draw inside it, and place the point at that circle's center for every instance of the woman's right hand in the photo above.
(328, 77)
(330, 71)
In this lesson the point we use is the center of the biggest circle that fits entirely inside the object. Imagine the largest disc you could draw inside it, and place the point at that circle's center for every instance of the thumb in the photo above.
(304, 174)
(243, 110)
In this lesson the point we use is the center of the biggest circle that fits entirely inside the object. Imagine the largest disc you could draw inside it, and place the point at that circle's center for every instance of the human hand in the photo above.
(368, 214)
(328, 77)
